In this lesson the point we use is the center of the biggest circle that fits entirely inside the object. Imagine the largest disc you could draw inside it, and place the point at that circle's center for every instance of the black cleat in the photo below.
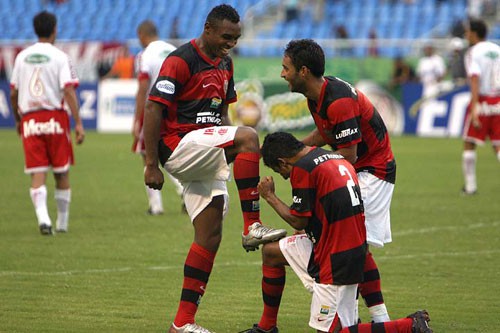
(257, 329)
(420, 322)
(45, 229)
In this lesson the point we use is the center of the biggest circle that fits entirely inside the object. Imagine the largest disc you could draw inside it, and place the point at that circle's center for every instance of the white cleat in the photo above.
(259, 234)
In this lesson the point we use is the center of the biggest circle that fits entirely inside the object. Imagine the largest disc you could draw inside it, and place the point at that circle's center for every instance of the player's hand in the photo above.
(266, 187)
(80, 133)
(136, 130)
(153, 177)
(474, 116)
(18, 128)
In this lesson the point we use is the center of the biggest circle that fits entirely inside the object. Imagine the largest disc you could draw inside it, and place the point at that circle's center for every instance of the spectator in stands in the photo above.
(342, 34)
(291, 10)
(372, 46)
(123, 67)
(402, 72)
(456, 65)
(431, 70)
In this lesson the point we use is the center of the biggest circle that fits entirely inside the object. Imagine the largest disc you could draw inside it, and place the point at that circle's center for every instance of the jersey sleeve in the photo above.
(174, 73)
(342, 115)
(14, 79)
(67, 73)
(302, 192)
(472, 65)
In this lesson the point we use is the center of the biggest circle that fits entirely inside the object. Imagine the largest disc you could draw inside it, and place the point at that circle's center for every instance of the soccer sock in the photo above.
(154, 199)
(178, 186)
(372, 292)
(63, 198)
(39, 199)
(273, 283)
(498, 156)
(396, 326)
(197, 269)
(246, 175)
(469, 170)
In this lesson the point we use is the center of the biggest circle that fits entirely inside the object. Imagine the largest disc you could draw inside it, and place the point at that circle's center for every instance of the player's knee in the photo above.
(247, 139)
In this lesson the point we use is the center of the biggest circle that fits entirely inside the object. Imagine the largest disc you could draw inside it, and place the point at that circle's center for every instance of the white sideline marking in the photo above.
(258, 263)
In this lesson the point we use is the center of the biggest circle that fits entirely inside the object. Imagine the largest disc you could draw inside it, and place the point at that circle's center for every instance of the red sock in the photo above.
(197, 269)
(370, 289)
(273, 283)
(246, 175)
(395, 326)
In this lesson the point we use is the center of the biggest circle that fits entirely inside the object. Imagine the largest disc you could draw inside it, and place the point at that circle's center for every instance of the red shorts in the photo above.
(489, 118)
(47, 141)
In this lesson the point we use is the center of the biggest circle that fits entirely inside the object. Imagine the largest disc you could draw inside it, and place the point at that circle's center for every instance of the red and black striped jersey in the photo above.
(194, 89)
(344, 117)
(325, 189)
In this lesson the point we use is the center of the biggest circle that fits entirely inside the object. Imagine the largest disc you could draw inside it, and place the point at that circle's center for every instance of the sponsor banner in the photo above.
(442, 116)
(85, 56)
(116, 105)
(87, 95)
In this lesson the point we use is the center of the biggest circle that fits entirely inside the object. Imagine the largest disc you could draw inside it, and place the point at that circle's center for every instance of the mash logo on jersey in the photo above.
(346, 132)
(165, 86)
(32, 127)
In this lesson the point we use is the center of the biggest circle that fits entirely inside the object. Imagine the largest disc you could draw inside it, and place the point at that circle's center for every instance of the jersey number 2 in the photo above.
(351, 186)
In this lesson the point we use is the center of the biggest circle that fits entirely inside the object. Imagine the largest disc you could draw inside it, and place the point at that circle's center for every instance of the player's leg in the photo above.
(198, 265)
(63, 199)
(245, 152)
(377, 196)
(415, 323)
(469, 159)
(38, 194)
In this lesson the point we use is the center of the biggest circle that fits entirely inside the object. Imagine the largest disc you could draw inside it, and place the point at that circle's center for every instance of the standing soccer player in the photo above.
(482, 63)
(148, 64)
(329, 257)
(42, 81)
(190, 98)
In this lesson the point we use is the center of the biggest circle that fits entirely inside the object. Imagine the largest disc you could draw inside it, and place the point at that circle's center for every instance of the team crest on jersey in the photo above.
(216, 102)
(165, 86)
(37, 59)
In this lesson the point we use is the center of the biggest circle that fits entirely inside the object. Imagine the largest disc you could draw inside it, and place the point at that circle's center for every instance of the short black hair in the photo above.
(44, 24)
(223, 12)
(279, 145)
(308, 53)
(479, 27)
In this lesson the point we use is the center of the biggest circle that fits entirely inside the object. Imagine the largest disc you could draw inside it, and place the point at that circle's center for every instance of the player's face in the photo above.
(284, 169)
(291, 75)
(222, 37)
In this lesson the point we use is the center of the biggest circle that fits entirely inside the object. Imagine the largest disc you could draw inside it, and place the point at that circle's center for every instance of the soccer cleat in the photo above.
(154, 212)
(259, 234)
(420, 322)
(465, 192)
(257, 329)
(45, 229)
(188, 328)
(61, 231)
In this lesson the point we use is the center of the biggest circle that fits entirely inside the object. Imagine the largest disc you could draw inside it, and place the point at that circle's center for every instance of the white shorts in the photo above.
(328, 301)
(377, 195)
(199, 163)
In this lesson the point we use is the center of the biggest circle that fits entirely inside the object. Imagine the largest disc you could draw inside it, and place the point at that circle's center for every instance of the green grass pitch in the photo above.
(120, 270)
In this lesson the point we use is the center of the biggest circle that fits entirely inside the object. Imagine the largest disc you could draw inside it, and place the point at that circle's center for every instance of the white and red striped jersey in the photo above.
(483, 60)
(149, 61)
(41, 71)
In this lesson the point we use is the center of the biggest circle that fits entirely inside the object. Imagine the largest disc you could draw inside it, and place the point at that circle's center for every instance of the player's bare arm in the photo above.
(350, 153)
(14, 95)
(153, 177)
(225, 116)
(314, 139)
(140, 104)
(72, 101)
(474, 102)
(266, 190)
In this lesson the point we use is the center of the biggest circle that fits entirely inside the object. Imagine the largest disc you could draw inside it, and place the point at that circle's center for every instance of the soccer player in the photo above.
(148, 64)
(329, 257)
(347, 121)
(482, 63)
(43, 82)
(190, 98)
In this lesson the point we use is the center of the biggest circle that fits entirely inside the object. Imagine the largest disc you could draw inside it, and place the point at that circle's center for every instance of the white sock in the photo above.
(39, 199)
(178, 186)
(469, 170)
(155, 201)
(379, 313)
(63, 198)
(498, 156)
